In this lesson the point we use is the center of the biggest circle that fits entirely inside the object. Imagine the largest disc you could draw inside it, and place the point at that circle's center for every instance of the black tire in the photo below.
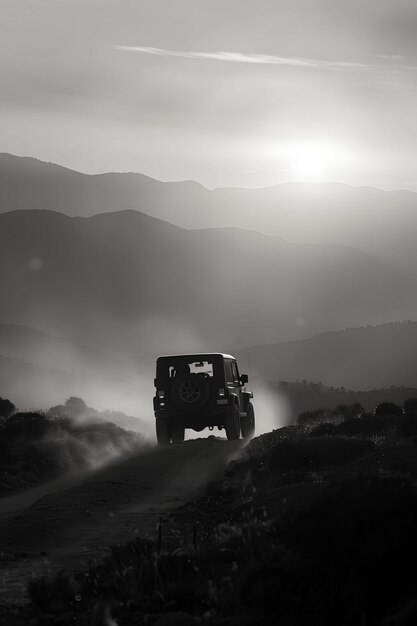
(178, 433)
(232, 423)
(190, 392)
(163, 431)
(247, 423)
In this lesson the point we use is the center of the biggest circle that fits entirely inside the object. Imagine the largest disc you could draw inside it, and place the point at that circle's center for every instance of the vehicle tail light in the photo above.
(161, 394)
(221, 393)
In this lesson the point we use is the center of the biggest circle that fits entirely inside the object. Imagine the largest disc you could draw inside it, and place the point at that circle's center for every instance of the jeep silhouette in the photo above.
(199, 391)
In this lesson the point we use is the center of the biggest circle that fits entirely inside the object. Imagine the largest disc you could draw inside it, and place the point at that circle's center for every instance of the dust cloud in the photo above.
(40, 371)
(92, 448)
(271, 409)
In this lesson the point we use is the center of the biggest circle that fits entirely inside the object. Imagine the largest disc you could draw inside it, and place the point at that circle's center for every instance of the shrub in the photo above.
(309, 418)
(57, 411)
(368, 426)
(326, 429)
(6, 407)
(410, 407)
(350, 410)
(260, 445)
(27, 425)
(388, 408)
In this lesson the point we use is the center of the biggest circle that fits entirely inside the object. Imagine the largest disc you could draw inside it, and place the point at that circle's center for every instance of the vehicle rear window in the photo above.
(202, 367)
(172, 367)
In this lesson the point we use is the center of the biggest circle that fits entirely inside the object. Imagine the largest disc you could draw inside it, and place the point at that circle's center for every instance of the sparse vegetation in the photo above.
(318, 400)
(313, 523)
(75, 408)
(35, 446)
(388, 420)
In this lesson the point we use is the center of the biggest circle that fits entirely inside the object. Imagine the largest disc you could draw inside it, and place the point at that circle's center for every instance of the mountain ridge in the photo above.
(337, 184)
(378, 222)
(73, 277)
(365, 357)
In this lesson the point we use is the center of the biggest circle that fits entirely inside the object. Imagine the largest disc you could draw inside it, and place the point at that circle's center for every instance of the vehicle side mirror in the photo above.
(244, 379)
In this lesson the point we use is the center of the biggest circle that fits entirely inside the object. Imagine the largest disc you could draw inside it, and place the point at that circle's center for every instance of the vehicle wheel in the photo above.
(232, 423)
(178, 433)
(190, 392)
(163, 431)
(247, 422)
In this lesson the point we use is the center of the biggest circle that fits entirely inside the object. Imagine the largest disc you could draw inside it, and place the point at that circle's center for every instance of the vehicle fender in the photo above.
(233, 397)
(246, 396)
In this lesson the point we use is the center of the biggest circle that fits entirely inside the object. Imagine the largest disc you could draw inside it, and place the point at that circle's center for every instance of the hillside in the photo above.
(36, 448)
(28, 344)
(27, 183)
(355, 358)
(307, 396)
(296, 518)
(130, 283)
(379, 222)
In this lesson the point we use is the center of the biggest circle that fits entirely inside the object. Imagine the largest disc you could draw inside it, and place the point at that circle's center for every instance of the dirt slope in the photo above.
(74, 523)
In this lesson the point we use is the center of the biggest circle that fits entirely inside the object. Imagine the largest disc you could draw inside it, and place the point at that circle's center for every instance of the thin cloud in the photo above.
(390, 57)
(239, 57)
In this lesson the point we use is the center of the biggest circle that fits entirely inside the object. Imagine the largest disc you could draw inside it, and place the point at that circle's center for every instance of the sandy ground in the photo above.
(68, 523)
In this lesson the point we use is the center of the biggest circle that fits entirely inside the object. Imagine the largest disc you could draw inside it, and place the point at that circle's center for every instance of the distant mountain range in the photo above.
(356, 358)
(133, 284)
(299, 397)
(26, 344)
(378, 222)
(79, 260)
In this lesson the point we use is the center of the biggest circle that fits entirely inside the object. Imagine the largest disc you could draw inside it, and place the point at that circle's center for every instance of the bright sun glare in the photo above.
(313, 159)
(310, 162)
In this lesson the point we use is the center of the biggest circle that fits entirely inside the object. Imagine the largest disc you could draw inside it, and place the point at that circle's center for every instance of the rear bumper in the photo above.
(213, 416)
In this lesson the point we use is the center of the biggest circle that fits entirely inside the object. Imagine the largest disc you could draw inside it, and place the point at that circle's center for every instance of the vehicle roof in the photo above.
(197, 354)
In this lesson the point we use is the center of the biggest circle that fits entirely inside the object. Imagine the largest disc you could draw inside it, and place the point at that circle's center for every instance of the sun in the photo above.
(310, 166)
(310, 160)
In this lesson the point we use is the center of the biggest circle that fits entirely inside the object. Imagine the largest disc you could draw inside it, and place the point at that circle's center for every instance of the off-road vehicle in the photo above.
(199, 391)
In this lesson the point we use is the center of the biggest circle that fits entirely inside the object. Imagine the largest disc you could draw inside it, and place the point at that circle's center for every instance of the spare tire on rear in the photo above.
(190, 392)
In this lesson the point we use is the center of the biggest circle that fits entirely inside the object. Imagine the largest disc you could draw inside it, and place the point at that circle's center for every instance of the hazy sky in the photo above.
(226, 92)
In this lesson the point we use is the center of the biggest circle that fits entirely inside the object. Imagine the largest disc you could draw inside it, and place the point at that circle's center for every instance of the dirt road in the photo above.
(80, 516)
